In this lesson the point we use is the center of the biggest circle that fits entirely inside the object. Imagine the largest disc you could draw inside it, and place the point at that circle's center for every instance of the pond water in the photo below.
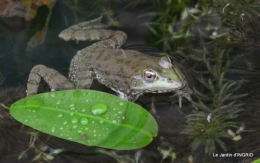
(214, 45)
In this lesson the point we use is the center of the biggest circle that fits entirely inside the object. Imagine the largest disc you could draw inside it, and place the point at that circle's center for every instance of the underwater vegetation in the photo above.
(220, 40)
(218, 106)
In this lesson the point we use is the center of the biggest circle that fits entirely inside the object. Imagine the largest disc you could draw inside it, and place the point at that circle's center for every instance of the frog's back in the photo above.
(119, 62)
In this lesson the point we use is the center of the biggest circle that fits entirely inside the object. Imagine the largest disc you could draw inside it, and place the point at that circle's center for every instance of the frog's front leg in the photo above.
(54, 79)
(129, 95)
(80, 74)
(186, 94)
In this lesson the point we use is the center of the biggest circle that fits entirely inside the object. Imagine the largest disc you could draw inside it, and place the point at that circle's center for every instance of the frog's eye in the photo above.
(149, 75)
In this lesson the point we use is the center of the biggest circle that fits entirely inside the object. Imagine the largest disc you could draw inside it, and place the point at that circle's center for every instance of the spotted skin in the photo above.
(124, 71)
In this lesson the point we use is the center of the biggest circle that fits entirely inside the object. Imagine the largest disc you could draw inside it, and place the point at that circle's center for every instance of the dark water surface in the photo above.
(16, 61)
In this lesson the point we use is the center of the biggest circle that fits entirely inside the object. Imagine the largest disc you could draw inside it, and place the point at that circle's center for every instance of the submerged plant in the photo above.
(208, 34)
(218, 105)
(165, 28)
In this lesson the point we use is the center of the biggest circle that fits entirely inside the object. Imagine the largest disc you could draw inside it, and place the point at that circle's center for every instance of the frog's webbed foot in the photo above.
(185, 94)
(129, 96)
(53, 78)
(94, 30)
(121, 95)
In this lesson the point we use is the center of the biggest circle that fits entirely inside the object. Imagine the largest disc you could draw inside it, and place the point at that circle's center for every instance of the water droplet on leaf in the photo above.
(74, 120)
(32, 104)
(98, 108)
(60, 115)
(114, 121)
(84, 121)
(53, 129)
(58, 102)
(79, 131)
(84, 110)
(72, 108)
(77, 93)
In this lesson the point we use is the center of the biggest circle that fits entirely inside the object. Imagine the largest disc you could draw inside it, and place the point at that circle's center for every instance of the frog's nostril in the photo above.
(169, 80)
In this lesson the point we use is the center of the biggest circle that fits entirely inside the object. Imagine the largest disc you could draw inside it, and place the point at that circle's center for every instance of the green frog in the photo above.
(127, 72)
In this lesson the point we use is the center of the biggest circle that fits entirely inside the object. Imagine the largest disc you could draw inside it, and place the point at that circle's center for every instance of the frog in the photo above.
(127, 72)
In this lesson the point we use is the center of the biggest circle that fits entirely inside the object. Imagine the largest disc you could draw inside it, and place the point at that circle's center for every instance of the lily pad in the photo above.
(88, 117)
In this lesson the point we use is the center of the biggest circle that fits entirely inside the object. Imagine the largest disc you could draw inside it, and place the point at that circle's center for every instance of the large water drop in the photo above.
(98, 108)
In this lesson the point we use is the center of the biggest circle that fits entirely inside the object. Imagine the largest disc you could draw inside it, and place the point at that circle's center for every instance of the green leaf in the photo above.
(256, 161)
(88, 117)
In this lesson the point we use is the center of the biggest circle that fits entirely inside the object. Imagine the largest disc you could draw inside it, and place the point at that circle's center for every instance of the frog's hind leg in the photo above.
(78, 32)
(53, 78)
(94, 30)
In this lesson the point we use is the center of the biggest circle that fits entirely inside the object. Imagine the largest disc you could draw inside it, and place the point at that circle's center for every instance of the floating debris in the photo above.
(27, 9)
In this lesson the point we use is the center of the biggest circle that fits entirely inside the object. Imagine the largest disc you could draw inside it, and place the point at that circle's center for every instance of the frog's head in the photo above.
(162, 77)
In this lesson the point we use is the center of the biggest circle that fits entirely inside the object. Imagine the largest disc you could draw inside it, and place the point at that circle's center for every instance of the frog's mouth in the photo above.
(159, 86)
